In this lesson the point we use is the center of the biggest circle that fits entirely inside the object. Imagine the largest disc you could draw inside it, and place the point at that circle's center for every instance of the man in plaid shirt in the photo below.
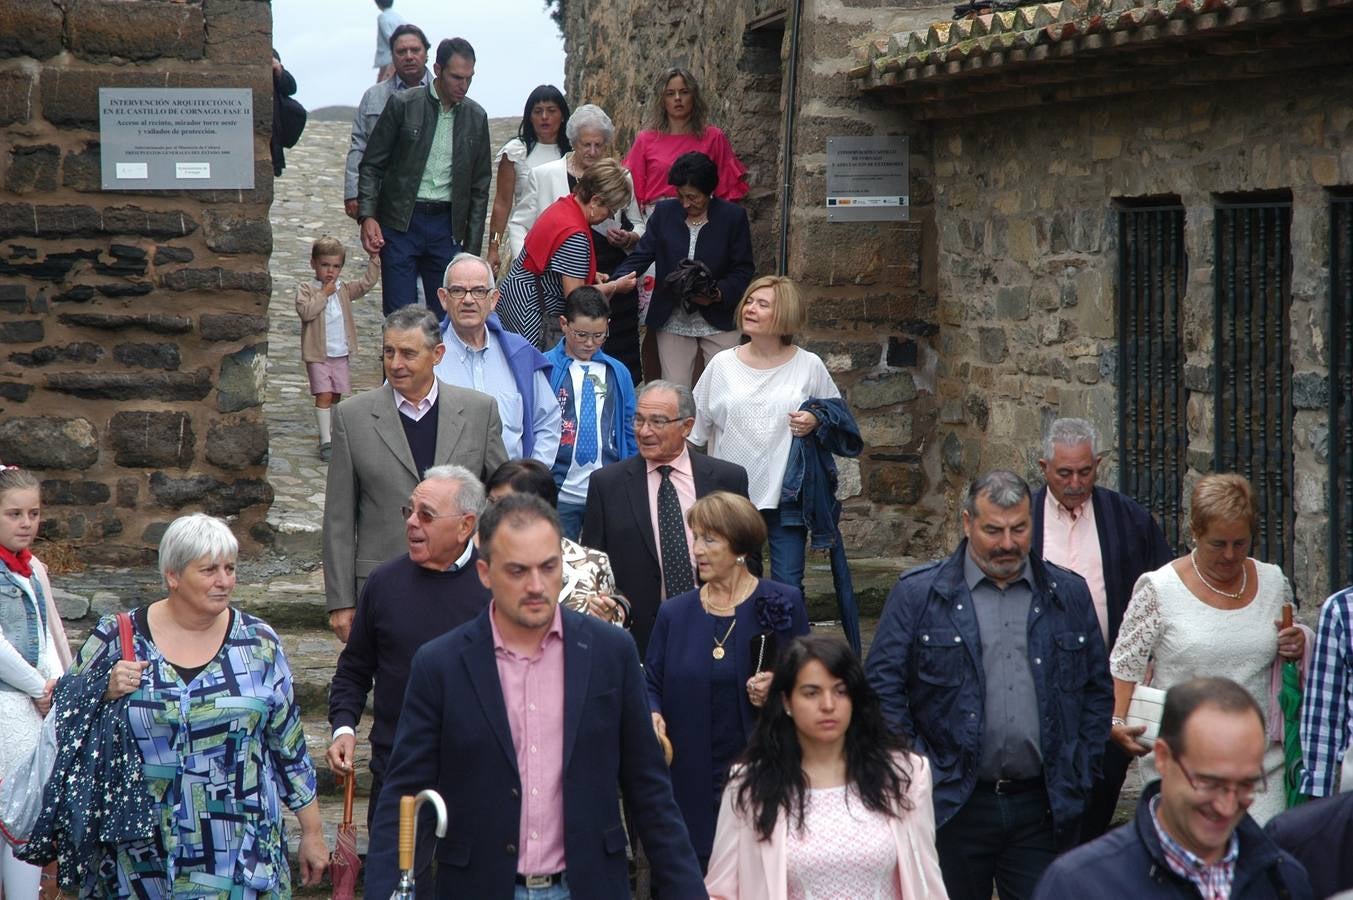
(1325, 719)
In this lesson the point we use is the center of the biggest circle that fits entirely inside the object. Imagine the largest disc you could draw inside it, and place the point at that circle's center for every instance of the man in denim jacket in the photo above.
(991, 663)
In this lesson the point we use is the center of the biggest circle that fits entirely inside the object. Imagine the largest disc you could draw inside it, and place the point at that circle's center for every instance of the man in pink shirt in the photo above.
(1109, 541)
(529, 720)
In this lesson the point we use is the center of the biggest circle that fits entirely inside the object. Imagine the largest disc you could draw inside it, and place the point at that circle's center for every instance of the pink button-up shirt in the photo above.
(684, 482)
(533, 692)
(1071, 540)
(416, 411)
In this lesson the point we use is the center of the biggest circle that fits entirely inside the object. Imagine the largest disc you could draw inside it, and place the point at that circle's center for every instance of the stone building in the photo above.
(1132, 211)
(132, 325)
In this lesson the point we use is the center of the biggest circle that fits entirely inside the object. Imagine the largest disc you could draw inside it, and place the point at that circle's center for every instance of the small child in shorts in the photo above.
(328, 335)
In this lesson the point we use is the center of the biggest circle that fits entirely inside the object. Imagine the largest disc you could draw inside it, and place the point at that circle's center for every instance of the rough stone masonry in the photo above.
(133, 326)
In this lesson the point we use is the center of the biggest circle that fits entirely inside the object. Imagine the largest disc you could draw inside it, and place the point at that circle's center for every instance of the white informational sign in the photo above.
(176, 138)
(868, 179)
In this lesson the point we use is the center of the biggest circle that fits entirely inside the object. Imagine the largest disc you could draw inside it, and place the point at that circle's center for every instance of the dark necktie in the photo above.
(587, 421)
(676, 555)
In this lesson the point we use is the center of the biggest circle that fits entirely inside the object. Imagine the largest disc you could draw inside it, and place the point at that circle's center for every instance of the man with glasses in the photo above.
(484, 356)
(636, 508)
(407, 602)
(1192, 835)
(596, 398)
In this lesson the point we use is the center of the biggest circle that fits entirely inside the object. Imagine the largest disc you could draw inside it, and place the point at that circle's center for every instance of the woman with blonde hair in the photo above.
(1212, 610)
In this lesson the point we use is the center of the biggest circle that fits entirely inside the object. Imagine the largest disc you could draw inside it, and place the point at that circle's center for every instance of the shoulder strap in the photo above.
(124, 633)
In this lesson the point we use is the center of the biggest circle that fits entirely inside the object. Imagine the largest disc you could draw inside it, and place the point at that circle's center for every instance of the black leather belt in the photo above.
(540, 881)
(433, 207)
(1006, 787)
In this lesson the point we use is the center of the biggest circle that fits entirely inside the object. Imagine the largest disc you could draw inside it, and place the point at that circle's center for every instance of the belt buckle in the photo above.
(1000, 786)
(536, 882)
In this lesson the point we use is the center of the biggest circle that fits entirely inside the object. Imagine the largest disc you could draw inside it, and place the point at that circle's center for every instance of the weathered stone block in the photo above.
(80, 293)
(144, 439)
(991, 345)
(128, 490)
(217, 279)
(52, 267)
(216, 497)
(60, 492)
(237, 29)
(49, 442)
(886, 431)
(243, 379)
(147, 29)
(16, 92)
(1012, 302)
(1198, 378)
(845, 356)
(230, 326)
(900, 352)
(147, 223)
(27, 331)
(70, 606)
(79, 352)
(237, 445)
(30, 28)
(165, 255)
(81, 171)
(123, 386)
(158, 323)
(979, 410)
(66, 221)
(14, 391)
(125, 289)
(16, 219)
(895, 483)
(1310, 390)
(231, 231)
(149, 356)
(32, 168)
(13, 298)
(883, 390)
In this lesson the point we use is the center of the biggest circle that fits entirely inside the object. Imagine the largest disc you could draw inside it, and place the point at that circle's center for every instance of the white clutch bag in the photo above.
(1145, 709)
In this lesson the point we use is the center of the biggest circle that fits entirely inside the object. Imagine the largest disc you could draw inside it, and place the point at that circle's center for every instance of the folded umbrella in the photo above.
(344, 864)
(1289, 700)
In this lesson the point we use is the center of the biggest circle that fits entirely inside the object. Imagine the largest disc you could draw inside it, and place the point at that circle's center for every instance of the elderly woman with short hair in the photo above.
(589, 132)
(557, 256)
(1213, 610)
(217, 723)
(710, 657)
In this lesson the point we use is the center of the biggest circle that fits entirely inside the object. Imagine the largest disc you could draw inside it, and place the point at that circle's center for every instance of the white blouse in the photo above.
(845, 851)
(522, 164)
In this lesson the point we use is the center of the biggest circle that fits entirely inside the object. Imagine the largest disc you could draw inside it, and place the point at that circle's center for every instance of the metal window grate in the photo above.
(1341, 394)
(1152, 432)
(1252, 366)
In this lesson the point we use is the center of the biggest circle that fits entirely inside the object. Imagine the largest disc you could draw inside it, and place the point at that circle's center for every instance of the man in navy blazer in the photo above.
(618, 517)
(530, 720)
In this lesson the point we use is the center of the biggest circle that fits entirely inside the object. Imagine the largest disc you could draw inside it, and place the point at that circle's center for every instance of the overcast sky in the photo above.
(328, 46)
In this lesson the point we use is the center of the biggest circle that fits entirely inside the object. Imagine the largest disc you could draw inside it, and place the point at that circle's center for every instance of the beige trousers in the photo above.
(677, 354)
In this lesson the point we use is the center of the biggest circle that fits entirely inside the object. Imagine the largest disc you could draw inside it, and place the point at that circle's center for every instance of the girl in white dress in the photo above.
(827, 804)
(32, 648)
(1214, 612)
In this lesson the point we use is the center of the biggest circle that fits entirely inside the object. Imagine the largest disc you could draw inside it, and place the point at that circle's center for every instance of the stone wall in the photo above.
(872, 298)
(132, 325)
(1027, 265)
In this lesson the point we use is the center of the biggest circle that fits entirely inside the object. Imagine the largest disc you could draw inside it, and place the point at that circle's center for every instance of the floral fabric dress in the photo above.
(223, 753)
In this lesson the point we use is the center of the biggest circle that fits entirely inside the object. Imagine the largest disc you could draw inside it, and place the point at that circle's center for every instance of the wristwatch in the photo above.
(1118, 720)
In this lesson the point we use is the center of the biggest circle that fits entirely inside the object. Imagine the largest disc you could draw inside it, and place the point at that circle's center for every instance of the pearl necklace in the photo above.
(1244, 578)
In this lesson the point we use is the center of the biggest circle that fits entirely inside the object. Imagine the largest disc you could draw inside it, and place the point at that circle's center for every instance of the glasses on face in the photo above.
(1217, 788)
(655, 422)
(427, 516)
(588, 337)
(458, 292)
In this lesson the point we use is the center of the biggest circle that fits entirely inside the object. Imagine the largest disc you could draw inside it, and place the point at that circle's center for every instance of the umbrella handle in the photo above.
(1287, 615)
(349, 789)
(407, 820)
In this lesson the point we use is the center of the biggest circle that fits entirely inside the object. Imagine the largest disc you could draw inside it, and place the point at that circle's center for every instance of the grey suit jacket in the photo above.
(372, 474)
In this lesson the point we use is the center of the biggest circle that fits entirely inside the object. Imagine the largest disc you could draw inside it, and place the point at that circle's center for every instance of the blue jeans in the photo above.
(556, 892)
(788, 548)
(423, 252)
(571, 519)
(1007, 839)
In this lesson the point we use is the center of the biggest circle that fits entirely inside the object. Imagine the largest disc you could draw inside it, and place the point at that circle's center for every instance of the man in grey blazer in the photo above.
(383, 442)
(423, 182)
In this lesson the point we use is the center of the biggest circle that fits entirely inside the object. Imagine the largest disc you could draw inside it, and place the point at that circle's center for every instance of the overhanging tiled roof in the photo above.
(988, 47)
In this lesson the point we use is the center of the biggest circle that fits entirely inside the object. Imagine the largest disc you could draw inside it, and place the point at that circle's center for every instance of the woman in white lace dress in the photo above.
(1214, 612)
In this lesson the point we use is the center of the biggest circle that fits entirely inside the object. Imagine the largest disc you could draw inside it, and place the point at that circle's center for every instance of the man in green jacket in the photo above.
(423, 183)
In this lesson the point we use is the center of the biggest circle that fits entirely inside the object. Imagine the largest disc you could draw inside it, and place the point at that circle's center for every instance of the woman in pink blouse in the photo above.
(677, 125)
(827, 804)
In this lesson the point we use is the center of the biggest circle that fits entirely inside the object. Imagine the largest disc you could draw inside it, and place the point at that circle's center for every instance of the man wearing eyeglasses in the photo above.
(483, 356)
(405, 603)
(1192, 835)
(596, 398)
(636, 508)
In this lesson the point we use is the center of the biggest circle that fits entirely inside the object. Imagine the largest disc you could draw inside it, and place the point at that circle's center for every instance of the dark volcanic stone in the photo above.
(144, 439)
(49, 442)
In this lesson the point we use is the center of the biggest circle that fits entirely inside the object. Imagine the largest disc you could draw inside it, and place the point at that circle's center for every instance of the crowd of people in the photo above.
(543, 555)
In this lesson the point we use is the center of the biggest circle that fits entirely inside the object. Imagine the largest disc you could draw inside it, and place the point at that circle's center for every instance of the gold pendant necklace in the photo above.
(718, 651)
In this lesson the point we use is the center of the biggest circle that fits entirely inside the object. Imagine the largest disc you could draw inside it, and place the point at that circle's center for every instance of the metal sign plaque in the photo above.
(176, 138)
(868, 179)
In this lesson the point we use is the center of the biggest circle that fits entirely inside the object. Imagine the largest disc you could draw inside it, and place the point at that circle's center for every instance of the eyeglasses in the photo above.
(458, 292)
(655, 422)
(427, 517)
(1216, 788)
(589, 337)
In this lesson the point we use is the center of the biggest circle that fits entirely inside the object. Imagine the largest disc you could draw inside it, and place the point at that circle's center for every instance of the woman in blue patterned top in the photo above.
(218, 725)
